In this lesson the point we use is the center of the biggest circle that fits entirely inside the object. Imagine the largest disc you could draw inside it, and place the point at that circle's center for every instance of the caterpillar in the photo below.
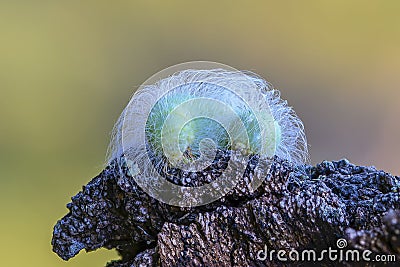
(183, 119)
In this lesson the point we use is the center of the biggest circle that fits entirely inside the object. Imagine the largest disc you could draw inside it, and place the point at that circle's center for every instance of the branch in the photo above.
(299, 208)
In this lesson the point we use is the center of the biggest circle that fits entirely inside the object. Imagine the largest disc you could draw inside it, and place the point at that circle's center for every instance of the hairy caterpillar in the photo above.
(183, 119)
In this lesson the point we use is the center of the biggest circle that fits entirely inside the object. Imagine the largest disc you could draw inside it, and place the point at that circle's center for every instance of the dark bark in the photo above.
(296, 207)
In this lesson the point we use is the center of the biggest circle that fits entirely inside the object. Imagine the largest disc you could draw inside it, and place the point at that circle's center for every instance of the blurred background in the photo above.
(68, 68)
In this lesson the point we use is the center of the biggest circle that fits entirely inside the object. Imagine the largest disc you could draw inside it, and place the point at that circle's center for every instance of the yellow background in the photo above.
(67, 69)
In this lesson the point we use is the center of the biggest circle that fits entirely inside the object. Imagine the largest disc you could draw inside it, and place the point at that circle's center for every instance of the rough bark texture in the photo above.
(302, 207)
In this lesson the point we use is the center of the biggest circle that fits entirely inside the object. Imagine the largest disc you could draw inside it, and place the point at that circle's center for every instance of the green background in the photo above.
(68, 68)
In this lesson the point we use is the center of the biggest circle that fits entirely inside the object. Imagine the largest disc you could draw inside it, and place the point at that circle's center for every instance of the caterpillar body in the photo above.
(183, 119)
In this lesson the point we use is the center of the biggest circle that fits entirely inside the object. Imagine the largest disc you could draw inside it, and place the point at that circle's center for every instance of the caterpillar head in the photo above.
(184, 119)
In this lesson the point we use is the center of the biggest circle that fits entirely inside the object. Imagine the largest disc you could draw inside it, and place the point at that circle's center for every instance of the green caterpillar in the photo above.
(193, 112)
